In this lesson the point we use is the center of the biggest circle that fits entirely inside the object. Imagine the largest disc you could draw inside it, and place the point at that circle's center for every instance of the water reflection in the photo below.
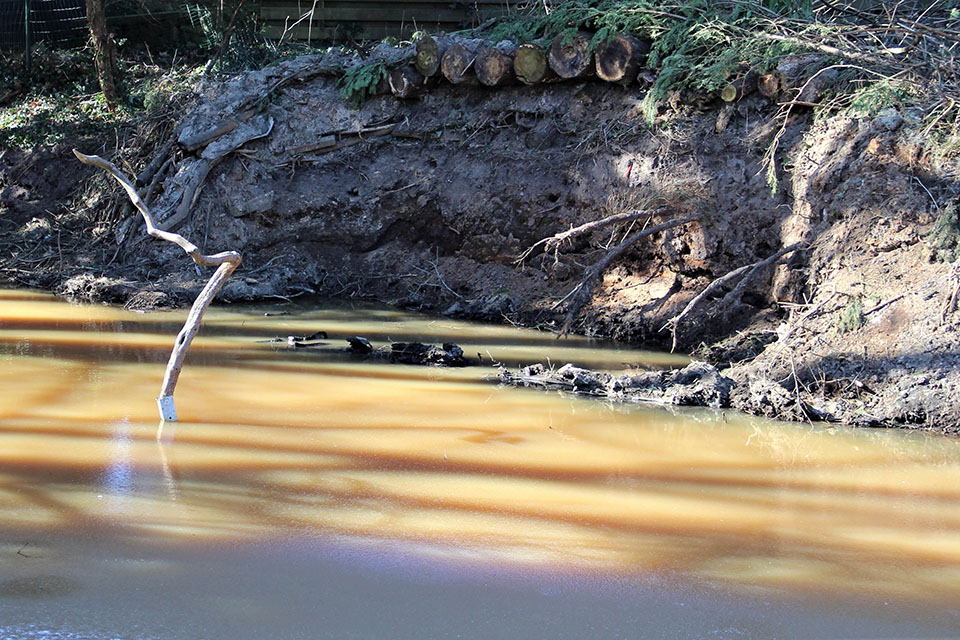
(443, 465)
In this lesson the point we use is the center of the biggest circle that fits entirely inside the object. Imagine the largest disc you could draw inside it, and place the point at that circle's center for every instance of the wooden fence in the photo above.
(345, 20)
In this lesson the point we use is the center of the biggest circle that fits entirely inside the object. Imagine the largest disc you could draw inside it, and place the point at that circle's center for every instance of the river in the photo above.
(307, 493)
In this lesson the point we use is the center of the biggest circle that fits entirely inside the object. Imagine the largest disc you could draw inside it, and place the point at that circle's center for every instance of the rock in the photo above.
(888, 119)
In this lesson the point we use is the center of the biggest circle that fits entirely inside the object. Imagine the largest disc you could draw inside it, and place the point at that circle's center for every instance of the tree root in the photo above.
(226, 262)
(744, 273)
(553, 242)
(583, 292)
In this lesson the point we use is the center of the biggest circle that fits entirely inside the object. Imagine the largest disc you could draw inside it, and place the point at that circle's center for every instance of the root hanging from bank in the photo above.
(554, 242)
(226, 262)
(744, 274)
(583, 292)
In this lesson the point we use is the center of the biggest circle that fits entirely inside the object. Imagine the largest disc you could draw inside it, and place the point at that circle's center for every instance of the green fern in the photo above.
(360, 83)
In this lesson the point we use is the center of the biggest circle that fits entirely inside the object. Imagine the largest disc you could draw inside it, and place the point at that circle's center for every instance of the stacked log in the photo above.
(494, 65)
(531, 66)
(571, 57)
(740, 87)
(620, 59)
(457, 63)
(430, 50)
(406, 82)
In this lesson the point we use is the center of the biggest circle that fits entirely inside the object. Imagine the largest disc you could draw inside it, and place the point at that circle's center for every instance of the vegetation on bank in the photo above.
(894, 54)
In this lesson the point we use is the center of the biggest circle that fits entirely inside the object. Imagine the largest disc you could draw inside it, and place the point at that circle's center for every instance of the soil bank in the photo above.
(428, 203)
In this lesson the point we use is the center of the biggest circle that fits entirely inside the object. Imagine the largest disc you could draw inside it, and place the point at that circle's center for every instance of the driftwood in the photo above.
(621, 58)
(582, 293)
(743, 274)
(571, 58)
(531, 65)
(226, 262)
(553, 242)
(494, 65)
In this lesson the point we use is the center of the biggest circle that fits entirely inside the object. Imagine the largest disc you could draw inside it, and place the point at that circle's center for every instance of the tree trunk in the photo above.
(407, 82)
(457, 64)
(621, 58)
(573, 59)
(430, 50)
(530, 64)
(103, 51)
(494, 65)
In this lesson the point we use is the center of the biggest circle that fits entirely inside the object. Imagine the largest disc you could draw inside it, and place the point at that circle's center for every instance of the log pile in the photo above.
(620, 60)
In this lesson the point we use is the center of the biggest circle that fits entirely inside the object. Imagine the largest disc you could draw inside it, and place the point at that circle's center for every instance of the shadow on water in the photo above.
(441, 468)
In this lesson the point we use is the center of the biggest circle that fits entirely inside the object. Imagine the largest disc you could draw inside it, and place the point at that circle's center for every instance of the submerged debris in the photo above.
(445, 355)
(697, 385)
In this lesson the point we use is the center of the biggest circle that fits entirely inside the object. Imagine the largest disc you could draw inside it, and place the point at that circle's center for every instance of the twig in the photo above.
(883, 304)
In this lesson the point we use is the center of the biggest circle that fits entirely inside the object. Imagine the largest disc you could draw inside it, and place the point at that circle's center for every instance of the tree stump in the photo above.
(620, 59)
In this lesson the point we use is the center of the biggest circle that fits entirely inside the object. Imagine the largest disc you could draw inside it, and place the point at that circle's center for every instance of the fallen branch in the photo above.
(553, 242)
(582, 293)
(746, 272)
(225, 262)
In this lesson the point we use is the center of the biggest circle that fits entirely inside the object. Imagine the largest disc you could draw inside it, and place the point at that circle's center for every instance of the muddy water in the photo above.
(308, 494)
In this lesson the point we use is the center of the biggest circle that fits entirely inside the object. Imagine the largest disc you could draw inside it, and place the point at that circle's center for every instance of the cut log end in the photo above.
(429, 53)
(406, 82)
(768, 85)
(494, 65)
(530, 64)
(620, 59)
(571, 58)
(457, 64)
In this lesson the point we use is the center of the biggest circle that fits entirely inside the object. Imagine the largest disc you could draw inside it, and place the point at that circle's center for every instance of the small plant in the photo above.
(851, 318)
(360, 83)
(944, 238)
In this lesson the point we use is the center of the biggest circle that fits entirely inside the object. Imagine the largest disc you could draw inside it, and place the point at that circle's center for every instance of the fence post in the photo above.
(26, 33)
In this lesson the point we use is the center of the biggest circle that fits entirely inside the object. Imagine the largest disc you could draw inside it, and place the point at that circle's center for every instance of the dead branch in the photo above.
(553, 242)
(745, 272)
(225, 262)
(209, 158)
(582, 293)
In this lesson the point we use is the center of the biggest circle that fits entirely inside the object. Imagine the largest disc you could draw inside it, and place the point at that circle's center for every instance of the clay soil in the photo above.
(858, 327)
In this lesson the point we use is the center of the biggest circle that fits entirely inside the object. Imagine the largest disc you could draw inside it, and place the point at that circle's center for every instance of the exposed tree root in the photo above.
(225, 262)
(553, 242)
(744, 274)
(581, 294)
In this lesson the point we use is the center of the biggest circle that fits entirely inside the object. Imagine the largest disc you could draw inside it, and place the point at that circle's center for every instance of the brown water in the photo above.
(306, 494)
